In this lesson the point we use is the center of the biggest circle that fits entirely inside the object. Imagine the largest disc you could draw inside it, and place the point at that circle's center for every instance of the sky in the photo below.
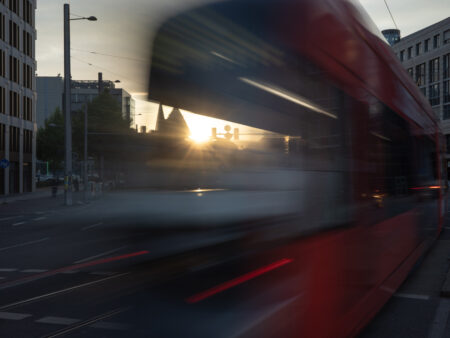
(124, 30)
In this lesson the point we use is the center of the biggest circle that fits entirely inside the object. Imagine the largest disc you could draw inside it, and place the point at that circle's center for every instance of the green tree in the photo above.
(104, 119)
(50, 141)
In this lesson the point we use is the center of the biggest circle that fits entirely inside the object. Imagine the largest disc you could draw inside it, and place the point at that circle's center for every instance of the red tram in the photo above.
(350, 154)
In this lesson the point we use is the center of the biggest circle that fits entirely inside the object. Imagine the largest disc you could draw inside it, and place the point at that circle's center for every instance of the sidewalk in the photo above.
(43, 193)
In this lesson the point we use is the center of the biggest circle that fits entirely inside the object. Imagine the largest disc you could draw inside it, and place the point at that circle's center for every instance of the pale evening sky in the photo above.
(124, 27)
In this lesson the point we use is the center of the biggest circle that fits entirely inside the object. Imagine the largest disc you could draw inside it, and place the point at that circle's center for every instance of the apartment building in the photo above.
(17, 96)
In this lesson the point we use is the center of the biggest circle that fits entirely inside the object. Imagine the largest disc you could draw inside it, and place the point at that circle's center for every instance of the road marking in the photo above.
(109, 326)
(92, 226)
(99, 255)
(35, 277)
(18, 223)
(39, 218)
(9, 218)
(437, 329)
(265, 316)
(411, 296)
(23, 244)
(33, 270)
(86, 323)
(57, 320)
(102, 273)
(33, 299)
(7, 270)
(13, 316)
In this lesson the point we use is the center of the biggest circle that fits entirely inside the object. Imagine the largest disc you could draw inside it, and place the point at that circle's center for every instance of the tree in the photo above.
(50, 141)
(104, 119)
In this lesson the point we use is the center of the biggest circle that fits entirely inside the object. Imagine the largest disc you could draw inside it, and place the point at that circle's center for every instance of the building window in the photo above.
(418, 45)
(446, 66)
(27, 44)
(434, 70)
(27, 12)
(27, 109)
(14, 103)
(14, 6)
(436, 41)
(2, 27)
(447, 36)
(27, 141)
(409, 52)
(420, 74)
(14, 139)
(402, 55)
(14, 38)
(446, 117)
(446, 95)
(13, 69)
(2, 100)
(27, 76)
(426, 45)
(434, 94)
(2, 63)
(410, 71)
(424, 91)
(2, 137)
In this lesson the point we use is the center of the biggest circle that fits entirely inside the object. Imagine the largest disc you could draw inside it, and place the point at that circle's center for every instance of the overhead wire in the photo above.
(107, 70)
(110, 55)
(390, 13)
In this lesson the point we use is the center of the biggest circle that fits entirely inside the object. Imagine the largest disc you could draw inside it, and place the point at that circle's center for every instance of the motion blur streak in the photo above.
(239, 280)
(288, 96)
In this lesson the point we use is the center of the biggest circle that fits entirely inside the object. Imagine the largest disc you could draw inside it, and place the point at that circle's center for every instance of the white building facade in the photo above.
(17, 96)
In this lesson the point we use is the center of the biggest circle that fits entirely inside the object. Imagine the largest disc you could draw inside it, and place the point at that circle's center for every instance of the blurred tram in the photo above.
(347, 177)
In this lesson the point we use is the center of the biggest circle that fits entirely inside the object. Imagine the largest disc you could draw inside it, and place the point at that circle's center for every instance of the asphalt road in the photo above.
(77, 272)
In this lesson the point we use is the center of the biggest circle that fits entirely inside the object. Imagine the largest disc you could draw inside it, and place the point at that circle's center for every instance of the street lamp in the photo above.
(67, 105)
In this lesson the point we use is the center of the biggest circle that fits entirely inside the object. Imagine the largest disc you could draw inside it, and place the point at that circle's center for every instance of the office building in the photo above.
(17, 96)
(51, 89)
(425, 54)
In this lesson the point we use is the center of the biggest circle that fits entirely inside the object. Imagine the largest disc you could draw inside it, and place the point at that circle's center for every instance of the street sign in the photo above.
(4, 163)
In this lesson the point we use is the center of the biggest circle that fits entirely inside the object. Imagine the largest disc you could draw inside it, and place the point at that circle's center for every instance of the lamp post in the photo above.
(67, 105)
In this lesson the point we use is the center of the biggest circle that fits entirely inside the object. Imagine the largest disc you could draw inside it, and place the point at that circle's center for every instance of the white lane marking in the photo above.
(39, 218)
(2, 277)
(57, 320)
(99, 255)
(448, 228)
(29, 300)
(23, 244)
(9, 218)
(18, 223)
(92, 226)
(411, 296)
(40, 212)
(264, 316)
(437, 329)
(33, 270)
(7, 270)
(69, 272)
(13, 316)
(109, 326)
(102, 273)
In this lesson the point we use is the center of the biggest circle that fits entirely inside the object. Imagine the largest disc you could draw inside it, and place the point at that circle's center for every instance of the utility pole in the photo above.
(67, 110)
(85, 169)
